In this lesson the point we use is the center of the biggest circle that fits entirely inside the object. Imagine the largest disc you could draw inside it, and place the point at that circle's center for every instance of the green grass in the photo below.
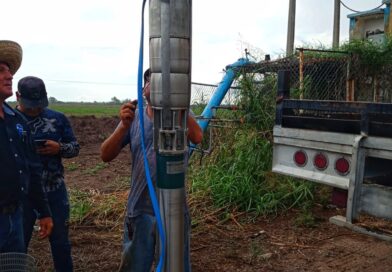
(83, 109)
(72, 166)
(305, 219)
(81, 205)
(372, 56)
(94, 170)
(238, 176)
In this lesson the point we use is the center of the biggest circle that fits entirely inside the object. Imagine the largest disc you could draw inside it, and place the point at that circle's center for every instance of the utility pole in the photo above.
(336, 25)
(291, 28)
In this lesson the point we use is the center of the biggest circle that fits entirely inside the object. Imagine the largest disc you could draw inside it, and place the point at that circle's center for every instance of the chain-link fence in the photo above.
(322, 75)
(331, 75)
(316, 75)
(371, 84)
(201, 93)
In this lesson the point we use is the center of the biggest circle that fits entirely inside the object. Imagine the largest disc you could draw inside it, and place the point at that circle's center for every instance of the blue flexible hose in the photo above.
(150, 184)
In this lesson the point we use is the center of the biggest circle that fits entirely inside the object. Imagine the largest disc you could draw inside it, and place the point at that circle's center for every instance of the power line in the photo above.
(91, 82)
(111, 83)
(353, 10)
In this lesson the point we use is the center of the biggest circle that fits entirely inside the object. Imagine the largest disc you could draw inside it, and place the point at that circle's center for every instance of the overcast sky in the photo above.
(87, 50)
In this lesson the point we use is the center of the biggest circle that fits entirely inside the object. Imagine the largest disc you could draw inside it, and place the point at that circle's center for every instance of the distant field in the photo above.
(83, 109)
(96, 109)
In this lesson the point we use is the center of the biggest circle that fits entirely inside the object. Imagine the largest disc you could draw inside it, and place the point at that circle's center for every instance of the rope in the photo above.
(353, 10)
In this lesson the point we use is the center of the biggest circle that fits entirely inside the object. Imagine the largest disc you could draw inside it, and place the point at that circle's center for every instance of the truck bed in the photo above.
(336, 116)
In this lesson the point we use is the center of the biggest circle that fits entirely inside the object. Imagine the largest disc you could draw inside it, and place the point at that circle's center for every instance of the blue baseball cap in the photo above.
(32, 92)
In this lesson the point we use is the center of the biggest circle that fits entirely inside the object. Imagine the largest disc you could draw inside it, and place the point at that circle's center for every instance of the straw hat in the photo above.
(11, 53)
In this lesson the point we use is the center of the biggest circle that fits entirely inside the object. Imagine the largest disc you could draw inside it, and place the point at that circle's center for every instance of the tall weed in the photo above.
(238, 176)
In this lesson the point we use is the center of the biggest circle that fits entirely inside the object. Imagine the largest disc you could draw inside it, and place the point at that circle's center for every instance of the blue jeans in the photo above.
(139, 244)
(11, 232)
(59, 240)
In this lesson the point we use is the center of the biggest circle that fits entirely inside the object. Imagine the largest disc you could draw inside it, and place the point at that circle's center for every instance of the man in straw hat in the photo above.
(20, 167)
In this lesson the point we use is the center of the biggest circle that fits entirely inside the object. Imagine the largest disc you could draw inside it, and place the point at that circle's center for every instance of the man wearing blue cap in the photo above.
(139, 228)
(54, 140)
(20, 169)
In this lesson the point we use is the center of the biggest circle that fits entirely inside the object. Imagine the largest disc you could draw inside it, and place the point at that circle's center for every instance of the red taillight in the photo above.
(300, 158)
(342, 166)
(320, 161)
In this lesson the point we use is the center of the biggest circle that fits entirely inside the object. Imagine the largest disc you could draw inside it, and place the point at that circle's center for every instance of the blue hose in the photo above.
(150, 184)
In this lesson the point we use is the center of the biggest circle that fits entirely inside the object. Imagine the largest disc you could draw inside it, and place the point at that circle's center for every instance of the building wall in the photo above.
(372, 24)
(367, 25)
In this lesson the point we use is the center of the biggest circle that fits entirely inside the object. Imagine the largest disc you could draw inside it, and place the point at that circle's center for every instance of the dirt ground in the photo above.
(267, 244)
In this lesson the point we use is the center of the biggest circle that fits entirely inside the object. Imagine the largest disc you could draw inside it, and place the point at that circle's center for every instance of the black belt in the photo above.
(9, 209)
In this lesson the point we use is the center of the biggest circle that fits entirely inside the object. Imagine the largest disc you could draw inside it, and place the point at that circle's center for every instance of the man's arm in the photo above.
(66, 147)
(112, 146)
(69, 146)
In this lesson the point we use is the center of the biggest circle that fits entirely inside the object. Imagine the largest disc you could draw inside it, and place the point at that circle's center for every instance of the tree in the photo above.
(115, 100)
(52, 100)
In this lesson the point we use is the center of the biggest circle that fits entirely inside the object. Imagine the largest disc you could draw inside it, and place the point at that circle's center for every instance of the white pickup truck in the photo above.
(346, 145)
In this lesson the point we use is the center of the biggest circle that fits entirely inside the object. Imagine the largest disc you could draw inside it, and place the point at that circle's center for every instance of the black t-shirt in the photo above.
(8, 167)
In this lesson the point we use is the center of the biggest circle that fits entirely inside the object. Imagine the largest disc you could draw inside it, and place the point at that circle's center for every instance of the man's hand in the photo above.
(127, 113)
(45, 227)
(49, 148)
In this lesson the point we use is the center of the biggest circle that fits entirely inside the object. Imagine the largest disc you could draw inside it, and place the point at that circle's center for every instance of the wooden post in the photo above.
(350, 83)
(350, 90)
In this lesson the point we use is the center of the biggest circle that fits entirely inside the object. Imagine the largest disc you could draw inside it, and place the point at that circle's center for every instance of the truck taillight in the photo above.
(300, 158)
(320, 161)
(342, 166)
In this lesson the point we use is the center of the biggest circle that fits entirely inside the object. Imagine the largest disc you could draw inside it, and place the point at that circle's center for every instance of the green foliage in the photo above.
(96, 209)
(94, 170)
(119, 183)
(71, 166)
(238, 176)
(115, 100)
(238, 173)
(52, 99)
(372, 56)
(81, 205)
(258, 101)
(296, 93)
(198, 108)
(306, 218)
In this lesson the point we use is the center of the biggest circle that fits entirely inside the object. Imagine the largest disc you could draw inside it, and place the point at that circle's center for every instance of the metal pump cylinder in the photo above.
(170, 63)
(170, 84)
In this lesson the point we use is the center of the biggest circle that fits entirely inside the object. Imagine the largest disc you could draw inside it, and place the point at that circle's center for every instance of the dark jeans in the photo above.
(139, 244)
(11, 232)
(59, 240)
